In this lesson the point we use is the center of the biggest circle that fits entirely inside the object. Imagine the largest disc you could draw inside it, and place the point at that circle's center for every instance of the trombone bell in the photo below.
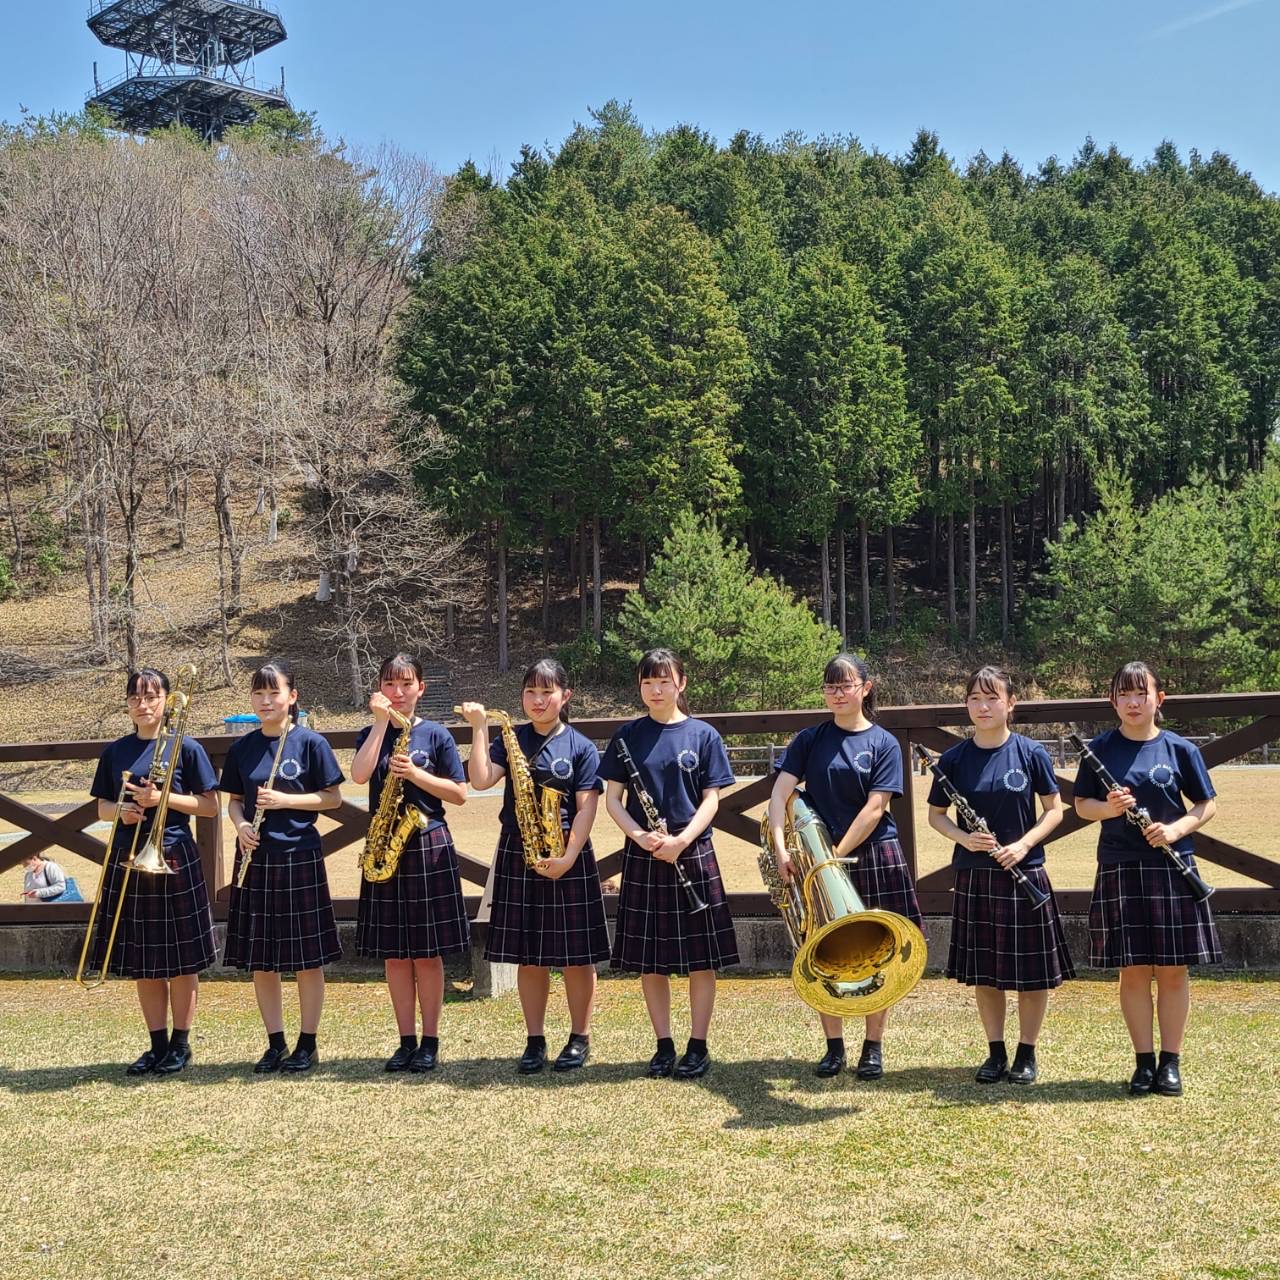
(152, 861)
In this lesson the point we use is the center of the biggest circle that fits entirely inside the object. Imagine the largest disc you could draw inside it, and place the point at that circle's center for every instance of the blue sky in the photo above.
(1033, 77)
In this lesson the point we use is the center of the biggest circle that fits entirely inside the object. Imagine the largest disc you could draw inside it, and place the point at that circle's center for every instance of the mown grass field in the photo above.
(1247, 813)
(760, 1169)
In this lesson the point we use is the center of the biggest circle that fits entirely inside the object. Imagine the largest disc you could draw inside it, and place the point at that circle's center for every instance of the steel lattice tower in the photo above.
(185, 62)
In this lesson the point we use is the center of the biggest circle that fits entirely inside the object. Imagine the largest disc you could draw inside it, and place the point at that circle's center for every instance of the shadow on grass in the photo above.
(956, 1087)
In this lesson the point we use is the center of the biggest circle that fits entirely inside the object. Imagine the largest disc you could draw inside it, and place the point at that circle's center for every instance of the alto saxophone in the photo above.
(389, 829)
(537, 808)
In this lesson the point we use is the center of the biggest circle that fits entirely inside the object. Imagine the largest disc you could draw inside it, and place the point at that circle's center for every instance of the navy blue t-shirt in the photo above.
(308, 764)
(1159, 773)
(1002, 785)
(566, 762)
(431, 747)
(193, 777)
(677, 763)
(840, 768)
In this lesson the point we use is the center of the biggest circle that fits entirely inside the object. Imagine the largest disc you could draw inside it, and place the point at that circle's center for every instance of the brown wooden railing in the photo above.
(928, 725)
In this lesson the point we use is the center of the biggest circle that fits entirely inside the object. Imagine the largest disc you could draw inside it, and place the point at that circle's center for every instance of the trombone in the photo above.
(150, 859)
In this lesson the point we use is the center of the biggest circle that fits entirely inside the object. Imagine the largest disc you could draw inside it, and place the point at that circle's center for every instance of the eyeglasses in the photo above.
(138, 699)
(850, 687)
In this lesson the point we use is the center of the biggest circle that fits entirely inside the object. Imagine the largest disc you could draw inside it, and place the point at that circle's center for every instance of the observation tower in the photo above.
(189, 61)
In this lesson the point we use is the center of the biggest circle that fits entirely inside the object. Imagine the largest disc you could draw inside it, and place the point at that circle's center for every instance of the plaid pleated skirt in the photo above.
(533, 920)
(999, 940)
(420, 911)
(1142, 914)
(282, 920)
(166, 928)
(882, 880)
(655, 931)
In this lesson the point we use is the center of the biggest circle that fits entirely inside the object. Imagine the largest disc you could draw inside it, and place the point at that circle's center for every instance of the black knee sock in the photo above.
(835, 1044)
(1146, 1060)
(666, 1044)
(1025, 1053)
(408, 1042)
(432, 1043)
(997, 1050)
(1166, 1056)
(307, 1041)
(695, 1046)
(181, 1038)
(276, 1040)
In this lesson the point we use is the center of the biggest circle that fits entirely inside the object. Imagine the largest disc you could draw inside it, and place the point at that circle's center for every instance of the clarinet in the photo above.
(974, 822)
(656, 822)
(1141, 818)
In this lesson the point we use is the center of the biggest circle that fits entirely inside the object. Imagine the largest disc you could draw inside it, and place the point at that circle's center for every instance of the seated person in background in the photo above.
(44, 880)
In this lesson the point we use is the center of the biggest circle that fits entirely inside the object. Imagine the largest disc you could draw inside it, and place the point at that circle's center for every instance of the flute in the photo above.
(974, 821)
(261, 812)
(1140, 817)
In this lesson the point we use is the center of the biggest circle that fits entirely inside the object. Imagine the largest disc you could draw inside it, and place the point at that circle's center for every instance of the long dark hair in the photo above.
(846, 667)
(144, 680)
(400, 665)
(663, 662)
(547, 673)
(269, 675)
(1133, 676)
(988, 680)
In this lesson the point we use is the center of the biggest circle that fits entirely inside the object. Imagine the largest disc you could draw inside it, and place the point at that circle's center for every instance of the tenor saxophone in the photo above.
(389, 828)
(537, 808)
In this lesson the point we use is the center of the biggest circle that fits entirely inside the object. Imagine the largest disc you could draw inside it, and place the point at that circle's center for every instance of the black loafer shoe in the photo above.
(270, 1061)
(173, 1061)
(992, 1071)
(1168, 1080)
(870, 1065)
(572, 1056)
(144, 1065)
(1142, 1080)
(1023, 1071)
(300, 1060)
(832, 1064)
(532, 1060)
(423, 1060)
(694, 1065)
(399, 1061)
(662, 1064)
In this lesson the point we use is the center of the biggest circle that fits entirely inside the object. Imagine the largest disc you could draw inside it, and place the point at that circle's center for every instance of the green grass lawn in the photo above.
(760, 1169)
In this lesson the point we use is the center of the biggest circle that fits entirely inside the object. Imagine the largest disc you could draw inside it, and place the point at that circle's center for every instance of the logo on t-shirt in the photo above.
(863, 761)
(290, 770)
(561, 768)
(1015, 780)
(1162, 775)
(419, 757)
(688, 760)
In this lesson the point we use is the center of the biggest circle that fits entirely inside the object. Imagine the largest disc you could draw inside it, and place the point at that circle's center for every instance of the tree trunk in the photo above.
(450, 623)
(1030, 566)
(826, 578)
(890, 579)
(1006, 586)
(324, 588)
(488, 581)
(973, 563)
(504, 660)
(546, 586)
(224, 631)
(864, 574)
(1061, 492)
(644, 562)
(597, 601)
(581, 542)
(933, 548)
(13, 523)
(952, 620)
(132, 565)
(842, 599)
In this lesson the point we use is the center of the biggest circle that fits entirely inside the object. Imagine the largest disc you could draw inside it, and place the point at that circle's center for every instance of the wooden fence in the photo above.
(931, 726)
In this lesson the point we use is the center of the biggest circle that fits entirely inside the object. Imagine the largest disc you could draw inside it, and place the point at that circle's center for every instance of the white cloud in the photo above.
(1205, 15)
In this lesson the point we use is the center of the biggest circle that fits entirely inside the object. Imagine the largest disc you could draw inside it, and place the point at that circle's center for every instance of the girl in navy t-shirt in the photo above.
(165, 936)
(999, 942)
(417, 916)
(851, 769)
(682, 765)
(550, 916)
(1143, 919)
(282, 920)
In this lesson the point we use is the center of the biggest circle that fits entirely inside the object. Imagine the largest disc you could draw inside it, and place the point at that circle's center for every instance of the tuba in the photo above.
(389, 829)
(850, 961)
(537, 808)
(150, 858)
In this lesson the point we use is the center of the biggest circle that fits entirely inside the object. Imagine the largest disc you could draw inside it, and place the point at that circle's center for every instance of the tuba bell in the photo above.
(850, 961)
